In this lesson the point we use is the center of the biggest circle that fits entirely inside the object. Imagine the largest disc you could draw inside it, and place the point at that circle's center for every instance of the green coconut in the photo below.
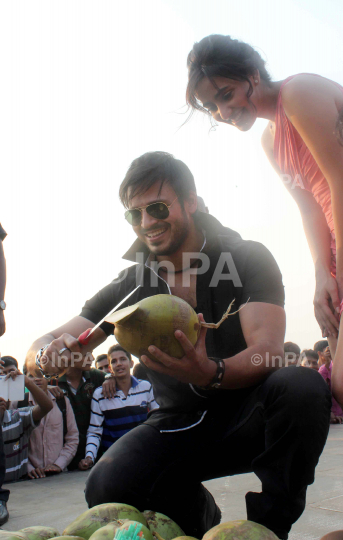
(162, 525)
(40, 532)
(146, 532)
(106, 533)
(68, 537)
(185, 538)
(99, 516)
(12, 535)
(239, 530)
(153, 321)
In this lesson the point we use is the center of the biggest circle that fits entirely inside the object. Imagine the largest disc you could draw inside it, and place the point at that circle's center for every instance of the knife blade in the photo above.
(84, 338)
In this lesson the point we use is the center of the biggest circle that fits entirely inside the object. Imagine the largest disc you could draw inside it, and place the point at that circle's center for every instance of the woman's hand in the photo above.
(326, 305)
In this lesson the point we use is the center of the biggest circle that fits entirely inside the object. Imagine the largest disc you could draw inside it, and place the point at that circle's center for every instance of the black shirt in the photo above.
(239, 269)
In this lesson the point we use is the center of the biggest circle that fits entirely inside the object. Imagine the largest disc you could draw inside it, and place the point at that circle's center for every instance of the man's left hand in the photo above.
(195, 367)
(52, 469)
(109, 388)
(56, 392)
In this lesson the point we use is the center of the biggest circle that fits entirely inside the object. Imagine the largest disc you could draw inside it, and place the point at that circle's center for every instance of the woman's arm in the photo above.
(313, 104)
(318, 237)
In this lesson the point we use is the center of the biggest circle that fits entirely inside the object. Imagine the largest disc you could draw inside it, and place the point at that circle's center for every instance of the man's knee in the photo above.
(301, 388)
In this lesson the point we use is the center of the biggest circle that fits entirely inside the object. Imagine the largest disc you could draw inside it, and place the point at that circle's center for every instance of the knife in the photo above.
(84, 338)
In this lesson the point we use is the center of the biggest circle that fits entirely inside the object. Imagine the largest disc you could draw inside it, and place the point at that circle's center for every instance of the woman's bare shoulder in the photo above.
(302, 89)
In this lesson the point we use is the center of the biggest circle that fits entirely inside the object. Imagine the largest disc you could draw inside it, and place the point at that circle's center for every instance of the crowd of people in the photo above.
(67, 424)
(320, 359)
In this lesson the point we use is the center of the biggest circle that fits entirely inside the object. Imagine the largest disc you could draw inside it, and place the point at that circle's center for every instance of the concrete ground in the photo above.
(58, 500)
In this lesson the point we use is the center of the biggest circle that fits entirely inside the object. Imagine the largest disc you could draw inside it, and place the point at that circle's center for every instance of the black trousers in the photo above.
(4, 493)
(278, 433)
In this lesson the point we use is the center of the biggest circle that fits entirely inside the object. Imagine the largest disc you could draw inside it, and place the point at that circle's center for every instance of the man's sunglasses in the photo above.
(157, 210)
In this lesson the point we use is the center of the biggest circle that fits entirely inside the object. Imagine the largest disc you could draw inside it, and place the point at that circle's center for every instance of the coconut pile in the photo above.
(115, 521)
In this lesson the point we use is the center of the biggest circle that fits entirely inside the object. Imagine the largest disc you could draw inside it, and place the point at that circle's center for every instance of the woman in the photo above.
(228, 80)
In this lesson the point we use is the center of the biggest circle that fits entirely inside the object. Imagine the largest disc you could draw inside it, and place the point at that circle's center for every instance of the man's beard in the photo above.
(180, 234)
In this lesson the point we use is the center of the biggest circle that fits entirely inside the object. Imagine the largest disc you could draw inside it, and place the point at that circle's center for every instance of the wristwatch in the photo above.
(2, 304)
(109, 376)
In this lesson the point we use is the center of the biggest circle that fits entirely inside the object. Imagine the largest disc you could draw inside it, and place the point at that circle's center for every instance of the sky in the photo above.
(88, 87)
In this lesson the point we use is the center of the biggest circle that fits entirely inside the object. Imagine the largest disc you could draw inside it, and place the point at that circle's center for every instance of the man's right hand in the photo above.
(36, 473)
(85, 464)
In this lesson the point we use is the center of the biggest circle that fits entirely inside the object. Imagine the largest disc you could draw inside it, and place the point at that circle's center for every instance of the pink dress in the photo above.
(326, 374)
(295, 160)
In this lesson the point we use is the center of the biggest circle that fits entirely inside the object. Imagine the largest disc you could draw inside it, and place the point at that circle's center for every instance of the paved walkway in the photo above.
(56, 501)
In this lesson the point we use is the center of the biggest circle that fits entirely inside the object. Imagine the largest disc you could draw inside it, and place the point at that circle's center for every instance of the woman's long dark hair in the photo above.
(221, 56)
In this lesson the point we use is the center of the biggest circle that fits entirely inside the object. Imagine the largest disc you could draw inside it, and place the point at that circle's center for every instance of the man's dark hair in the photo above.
(115, 348)
(9, 361)
(100, 357)
(154, 167)
(291, 347)
(140, 372)
(321, 345)
(310, 353)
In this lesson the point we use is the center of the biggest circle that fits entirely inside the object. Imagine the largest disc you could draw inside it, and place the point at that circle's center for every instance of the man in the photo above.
(3, 235)
(225, 407)
(17, 426)
(292, 353)
(101, 363)
(112, 418)
(8, 364)
(53, 444)
(309, 358)
(79, 385)
(320, 347)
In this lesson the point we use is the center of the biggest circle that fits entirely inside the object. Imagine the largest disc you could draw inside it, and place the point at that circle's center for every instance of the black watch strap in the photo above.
(219, 376)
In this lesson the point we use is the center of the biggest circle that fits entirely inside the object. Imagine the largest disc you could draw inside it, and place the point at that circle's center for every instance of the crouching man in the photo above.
(225, 407)
(112, 418)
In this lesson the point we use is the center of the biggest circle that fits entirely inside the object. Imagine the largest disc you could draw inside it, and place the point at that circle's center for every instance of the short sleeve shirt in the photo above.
(238, 270)
(17, 425)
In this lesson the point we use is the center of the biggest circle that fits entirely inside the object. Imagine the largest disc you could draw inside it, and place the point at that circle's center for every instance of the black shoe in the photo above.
(4, 515)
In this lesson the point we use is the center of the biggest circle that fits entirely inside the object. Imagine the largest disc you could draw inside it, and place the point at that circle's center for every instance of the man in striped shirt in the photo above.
(112, 418)
(17, 426)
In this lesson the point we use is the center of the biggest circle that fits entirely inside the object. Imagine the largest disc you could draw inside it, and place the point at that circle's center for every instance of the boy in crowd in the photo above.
(54, 442)
(319, 347)
(101, 363)
(292, 353)
(309, 358)
(112, 418)
(17, 426)
(8, 364)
